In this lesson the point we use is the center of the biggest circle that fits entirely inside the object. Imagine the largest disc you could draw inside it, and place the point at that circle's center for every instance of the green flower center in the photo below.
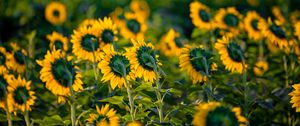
(178, 42)
(235, 52)
(144, 54)
(107, 36)
(254, 24)
(278, 31)
(231, 20)
(221, 116)
(21, 95)
(133, 25)
(201, 60)
(2, 59)
(3, 85)
(204, 15)
(62, 71)
(117, 62)
(56, 13)
(19, 57)
(90, 43)
(58, 44)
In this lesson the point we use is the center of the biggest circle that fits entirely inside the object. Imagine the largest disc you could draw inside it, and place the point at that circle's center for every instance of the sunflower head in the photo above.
(108, 30)
(58, 41)
(295, 99)
(231, 54)
(230, 19)
(117, 15)
(278, 14)
(144, 59)
(88, 23)
(20, 94)
(59, 73)
(4, 78)
(134, 123)
(215, 114)
(56, 13)
(140, 7)
(4, 57)
(115, 67)
(260, 68)
(197, 62)
(133, 26)
(295, 17)
(200, 15)
(16, 60)
(171, 43)
(105, 116)
(251, 25)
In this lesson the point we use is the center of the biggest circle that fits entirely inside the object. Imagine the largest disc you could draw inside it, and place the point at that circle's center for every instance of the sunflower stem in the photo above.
(286, 71)
(8, 115)
(129, 92)
(72, 102)
(95, 65)
(261, 49)
(158, 85)
(245, 87)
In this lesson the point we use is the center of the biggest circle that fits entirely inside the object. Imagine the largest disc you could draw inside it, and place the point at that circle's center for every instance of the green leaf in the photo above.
(144, 86)
(116, 100)
(51, 121)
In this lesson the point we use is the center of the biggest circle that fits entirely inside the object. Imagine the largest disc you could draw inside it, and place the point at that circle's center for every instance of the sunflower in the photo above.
(278, 14)
(88, 23)
(108, 31)
(58, 72)
(274, 33)
(200, 15)
(3, 57)
(171, 43)
(251, 22)
(134, 123)
(16, 60)
(140, 7)
(230, 19)
(117, 15)
(104, 117)
(231, 54)
(56, 13)
(111, 67)
(4, 78)
(133, 27)
(58, 41)
(20, 94)
(141, 56)
(215, 114)
(295, 17)
(86, 43)
(197, 62)
(295, 99)
(260, 68)
(297, 30)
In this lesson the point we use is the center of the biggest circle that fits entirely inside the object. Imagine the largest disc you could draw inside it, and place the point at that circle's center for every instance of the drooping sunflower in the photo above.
(108, 31)
(260, 67)
(295, 17)
(200, 15)
(58, 41)
(88, 23)
(104, 117)
(4, 60)
(58, 72)
(229, 19)
(56, 13)
(140, 7)
(133, 27)
(197, 62)
(17, 59)
(86, 43)
(171, 43)
(297, 30)
(112, 69)
(251, 22)
(216, 114)
(4, 78)
(20, 94)
(295, 97)
(274, 33)
(231, 54)
(278, 14)
(142, 56)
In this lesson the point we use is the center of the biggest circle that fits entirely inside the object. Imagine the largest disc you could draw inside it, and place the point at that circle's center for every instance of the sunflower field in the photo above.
(150, 62)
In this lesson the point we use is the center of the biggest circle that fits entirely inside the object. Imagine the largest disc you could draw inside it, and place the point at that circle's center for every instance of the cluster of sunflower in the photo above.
(116, 52)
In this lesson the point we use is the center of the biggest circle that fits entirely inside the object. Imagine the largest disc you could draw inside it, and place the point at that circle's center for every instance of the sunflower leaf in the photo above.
(116, 100)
